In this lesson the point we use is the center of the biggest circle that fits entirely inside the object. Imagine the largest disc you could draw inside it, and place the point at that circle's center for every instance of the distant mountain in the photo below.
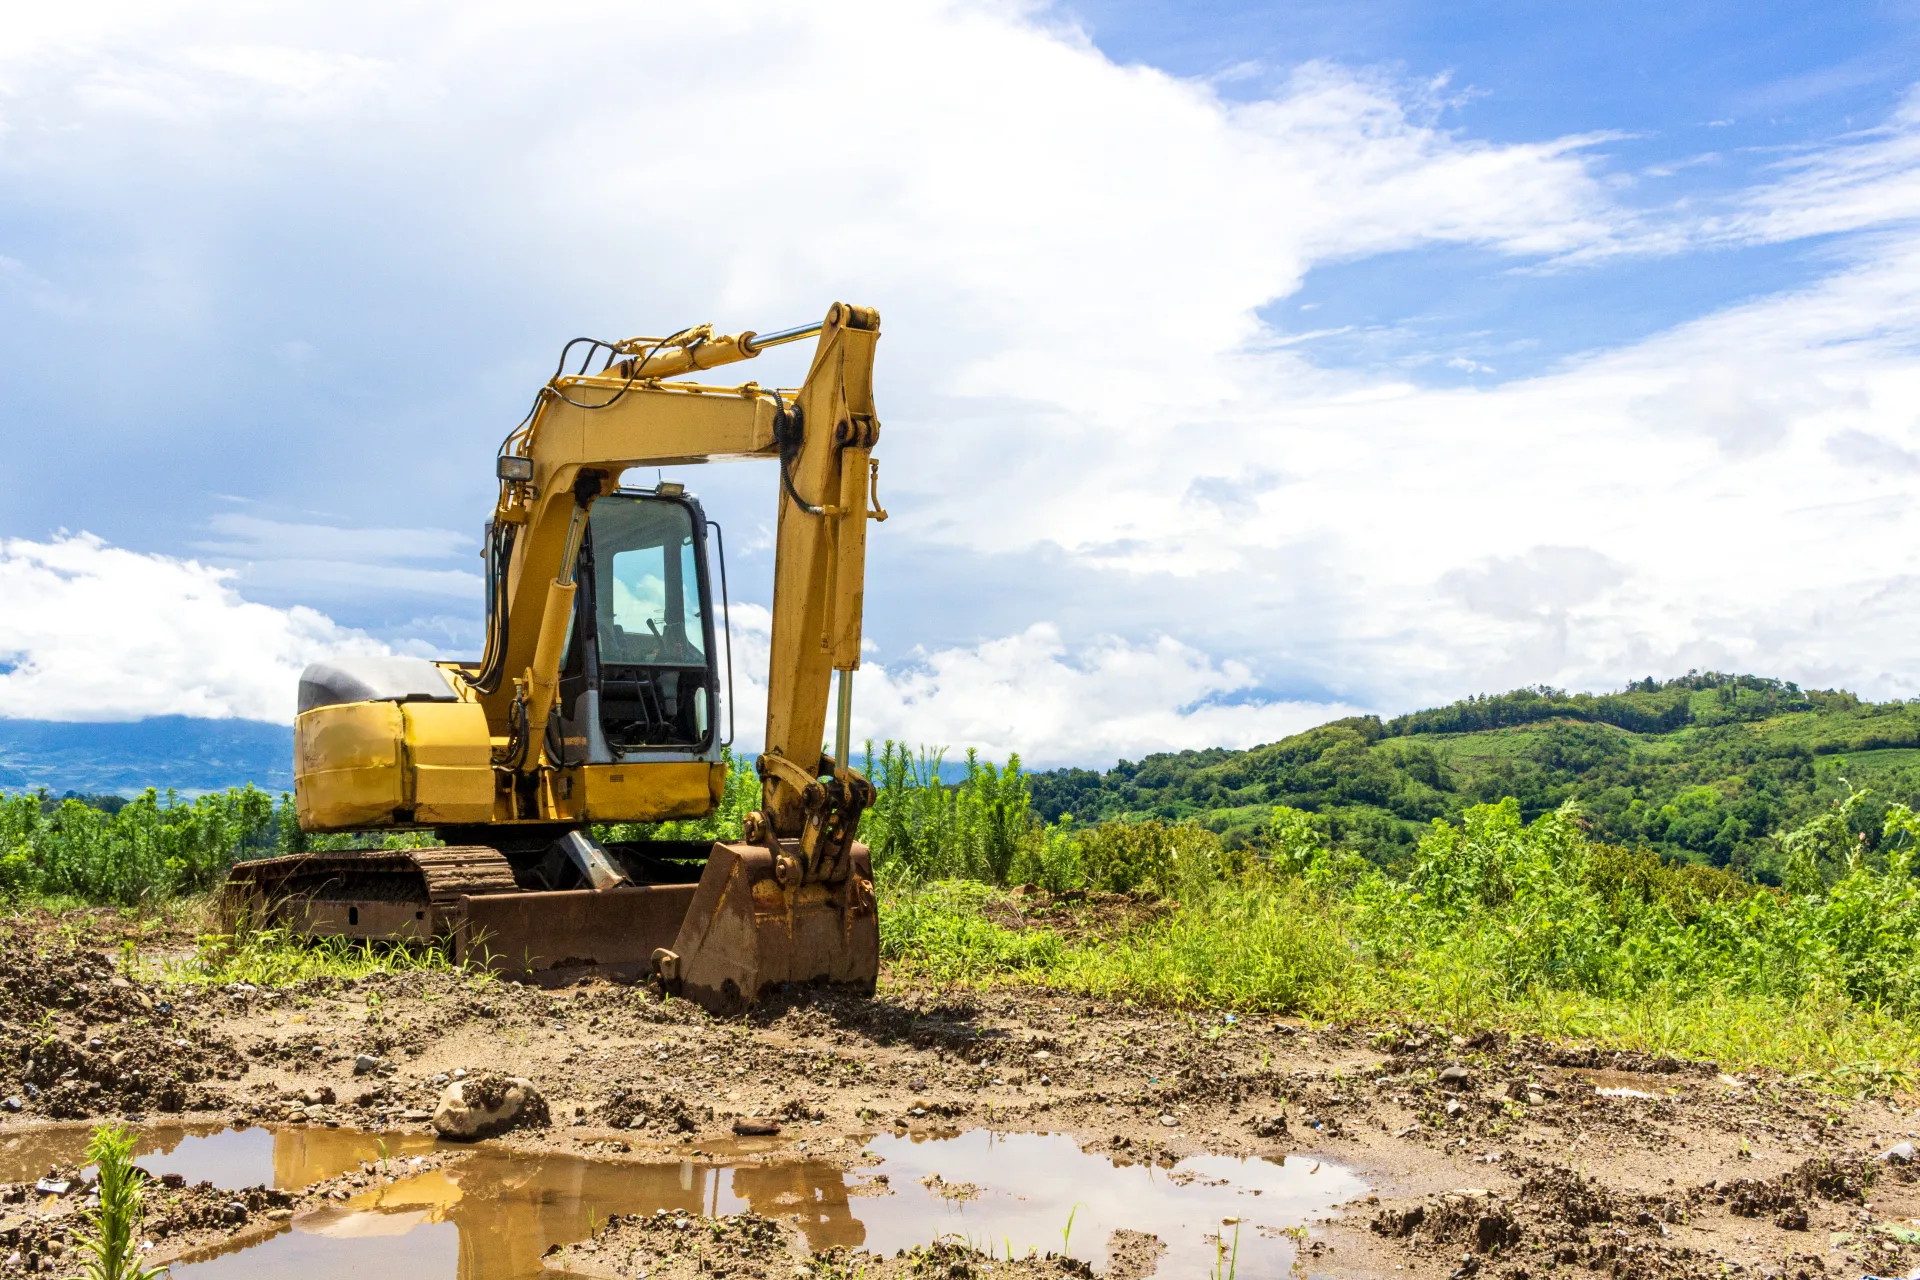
(166, 751)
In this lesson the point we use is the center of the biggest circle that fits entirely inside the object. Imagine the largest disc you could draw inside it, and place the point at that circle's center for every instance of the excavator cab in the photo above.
(640, 680)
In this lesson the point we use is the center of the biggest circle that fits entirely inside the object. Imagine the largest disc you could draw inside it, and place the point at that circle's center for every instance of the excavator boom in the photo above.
(599, 697)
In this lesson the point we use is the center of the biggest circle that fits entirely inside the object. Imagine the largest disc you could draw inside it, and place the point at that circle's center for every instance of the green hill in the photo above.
(1704, 768)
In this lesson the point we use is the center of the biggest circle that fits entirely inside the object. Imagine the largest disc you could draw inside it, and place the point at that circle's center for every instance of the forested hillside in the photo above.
(1703, 769)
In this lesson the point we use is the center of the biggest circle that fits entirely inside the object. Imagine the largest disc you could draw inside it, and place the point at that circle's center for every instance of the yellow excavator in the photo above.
(600, 699)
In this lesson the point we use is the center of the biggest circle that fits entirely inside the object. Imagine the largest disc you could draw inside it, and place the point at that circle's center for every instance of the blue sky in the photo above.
(1696, 100)
(1244, 364)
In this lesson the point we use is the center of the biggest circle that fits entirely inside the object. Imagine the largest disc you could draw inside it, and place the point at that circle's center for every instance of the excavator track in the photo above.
(397, 894)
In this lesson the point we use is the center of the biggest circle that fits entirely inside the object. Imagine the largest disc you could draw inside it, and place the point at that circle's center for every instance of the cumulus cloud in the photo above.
(1073, 258)
(1033, 694)
(94, 632)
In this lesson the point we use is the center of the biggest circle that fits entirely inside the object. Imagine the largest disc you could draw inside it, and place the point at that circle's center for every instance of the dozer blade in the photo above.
(724, 941)
(746, 934)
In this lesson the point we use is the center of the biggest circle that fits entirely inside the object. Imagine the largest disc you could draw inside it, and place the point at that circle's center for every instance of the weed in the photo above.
(1227, 1264)
(276, 958)
(110, 1247)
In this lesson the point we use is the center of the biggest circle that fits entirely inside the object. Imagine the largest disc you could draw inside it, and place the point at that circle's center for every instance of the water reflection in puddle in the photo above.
(492, 1215)
(288, 1158)
(1030, 1182)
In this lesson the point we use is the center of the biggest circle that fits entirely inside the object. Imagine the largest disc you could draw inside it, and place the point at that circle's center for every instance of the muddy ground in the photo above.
(1485, 1154)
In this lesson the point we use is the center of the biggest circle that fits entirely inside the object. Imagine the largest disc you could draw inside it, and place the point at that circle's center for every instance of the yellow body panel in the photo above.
(385, 764)
(449, 760)
(651, 792)
(380, 764)
(347, 765)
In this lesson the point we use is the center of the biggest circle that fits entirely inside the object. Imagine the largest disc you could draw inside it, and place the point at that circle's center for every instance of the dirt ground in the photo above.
(1485, 1154)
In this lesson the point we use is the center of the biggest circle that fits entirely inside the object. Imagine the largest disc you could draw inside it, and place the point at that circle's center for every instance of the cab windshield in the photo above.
(646, 584)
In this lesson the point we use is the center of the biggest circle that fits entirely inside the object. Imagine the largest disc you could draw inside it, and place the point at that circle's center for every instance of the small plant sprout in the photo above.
(1226, 1262)
(1066, 1232)
(111, 1249)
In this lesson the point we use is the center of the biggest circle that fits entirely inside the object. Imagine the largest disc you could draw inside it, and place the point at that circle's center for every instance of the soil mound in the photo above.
(93, 1042)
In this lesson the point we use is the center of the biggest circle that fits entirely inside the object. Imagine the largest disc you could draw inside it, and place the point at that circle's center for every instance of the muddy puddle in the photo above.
(230, 1158)
(492, 1214)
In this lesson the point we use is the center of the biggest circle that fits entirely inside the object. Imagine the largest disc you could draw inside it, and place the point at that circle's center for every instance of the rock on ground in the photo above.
(484, 1105)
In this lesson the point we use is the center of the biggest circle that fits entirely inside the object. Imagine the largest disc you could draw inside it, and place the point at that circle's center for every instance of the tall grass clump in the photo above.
(153, 848)
(921, 828)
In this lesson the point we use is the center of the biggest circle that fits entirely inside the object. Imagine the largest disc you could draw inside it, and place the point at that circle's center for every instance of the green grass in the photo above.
(273, 958)
(1528, 927)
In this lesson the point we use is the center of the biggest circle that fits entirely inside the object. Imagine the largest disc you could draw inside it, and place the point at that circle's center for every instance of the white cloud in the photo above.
(1072, 257)
(94, 632)
(1030, 693)
(1871, 179)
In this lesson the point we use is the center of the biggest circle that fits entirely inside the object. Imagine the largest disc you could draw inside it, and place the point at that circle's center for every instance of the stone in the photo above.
(481, 1106)
(1455, 1077)
(1898, 1153)
(756, 1128)
(1168, 1121)
(365, 1064)
(12, 1104)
